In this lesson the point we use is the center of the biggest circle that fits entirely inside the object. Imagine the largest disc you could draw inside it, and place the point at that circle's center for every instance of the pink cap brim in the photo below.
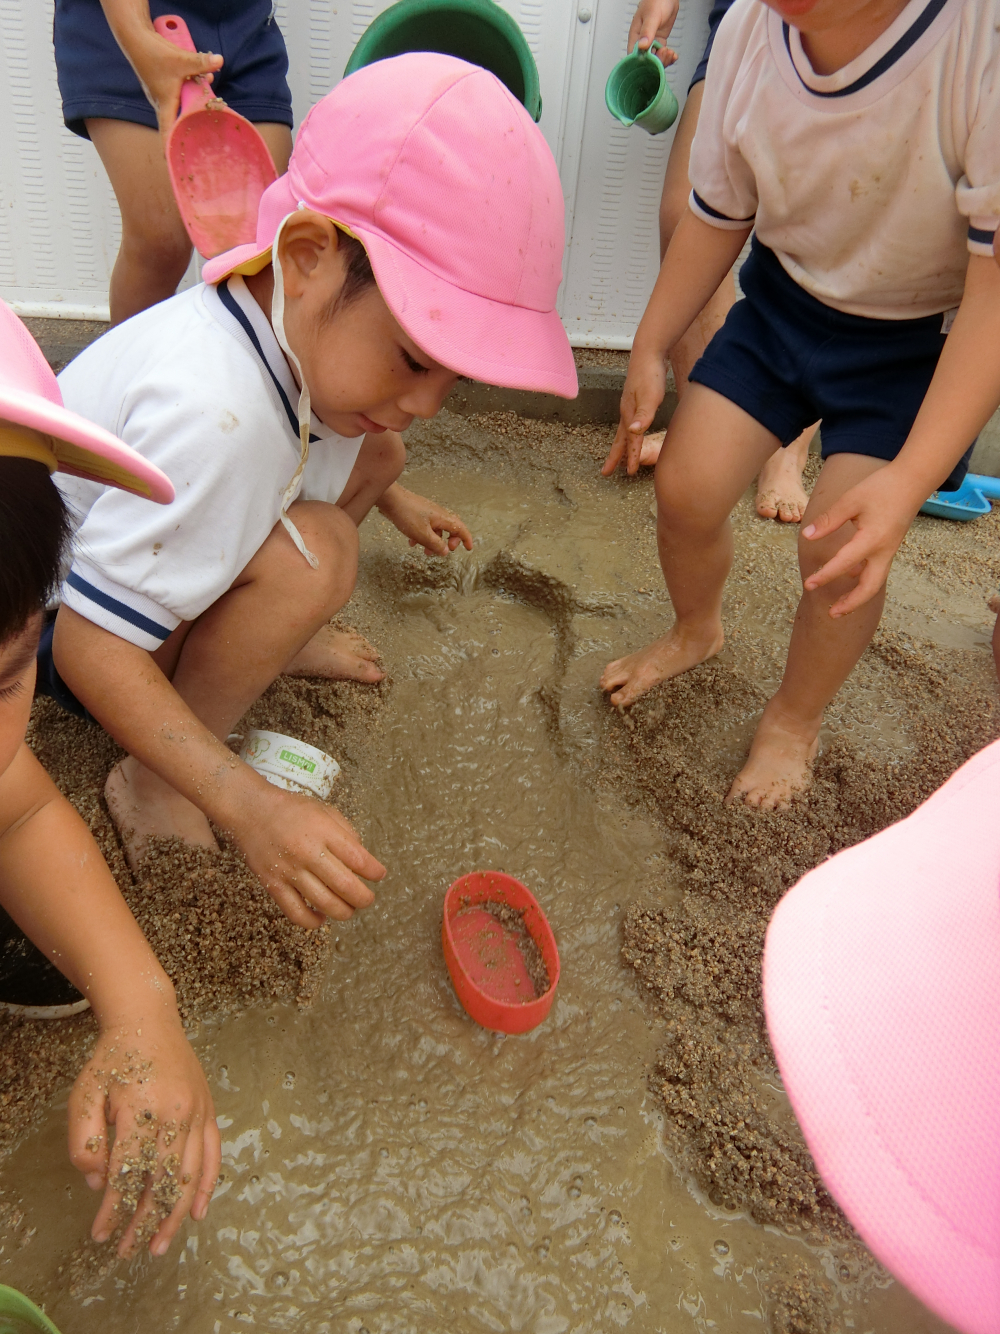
(84, 449)
(509, 346)
(882, 995)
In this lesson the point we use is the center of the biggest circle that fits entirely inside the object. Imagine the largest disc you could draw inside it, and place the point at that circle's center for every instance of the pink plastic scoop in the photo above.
(219, 165)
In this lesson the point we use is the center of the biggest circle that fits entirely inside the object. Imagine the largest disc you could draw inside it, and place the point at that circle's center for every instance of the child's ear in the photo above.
(308, 243)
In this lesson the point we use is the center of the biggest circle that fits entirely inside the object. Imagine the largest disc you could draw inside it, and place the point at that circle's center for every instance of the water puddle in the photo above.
(390, 1167)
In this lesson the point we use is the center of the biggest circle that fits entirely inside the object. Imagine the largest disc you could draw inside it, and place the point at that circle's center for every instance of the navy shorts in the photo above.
(47, 679)
(718, 12)
(789, 360)
(95, 79)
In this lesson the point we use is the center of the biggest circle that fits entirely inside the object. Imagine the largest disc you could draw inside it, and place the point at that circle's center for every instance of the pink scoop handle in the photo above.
(194, 92)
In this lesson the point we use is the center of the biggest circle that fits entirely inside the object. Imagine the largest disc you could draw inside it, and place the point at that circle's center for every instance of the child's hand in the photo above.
(306, 855)
(654, 18)
(424, 522)
(145, 1081)
(881, 509)
(645, 386)
(160, 66)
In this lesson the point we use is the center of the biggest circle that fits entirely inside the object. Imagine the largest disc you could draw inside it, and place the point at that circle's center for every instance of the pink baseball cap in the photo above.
(882, 995)
(60, 439)
(450, 186)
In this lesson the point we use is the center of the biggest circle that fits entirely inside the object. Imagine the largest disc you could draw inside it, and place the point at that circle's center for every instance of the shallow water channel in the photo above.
(389, 1166)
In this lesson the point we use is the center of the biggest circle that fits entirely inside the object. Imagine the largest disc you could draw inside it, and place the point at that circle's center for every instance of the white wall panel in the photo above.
(59, 226)
(616, 176)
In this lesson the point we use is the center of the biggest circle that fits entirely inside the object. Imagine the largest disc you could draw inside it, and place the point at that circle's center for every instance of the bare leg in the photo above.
(224, 661)
(343, 654)
(994, 606)
(821, 656)
(779, 487)
(155, 248)
(712, 452)
(780, 494)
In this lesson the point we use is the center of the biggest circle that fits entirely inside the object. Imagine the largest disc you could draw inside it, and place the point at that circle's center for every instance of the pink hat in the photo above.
(54, 436)
(882, 994)
(448, 183)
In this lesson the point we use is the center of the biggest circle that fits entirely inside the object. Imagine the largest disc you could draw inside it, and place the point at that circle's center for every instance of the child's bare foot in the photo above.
(143, 806)
(651, 446)
(341, 655)
(779, 764)
(780, 494)
(675, 652)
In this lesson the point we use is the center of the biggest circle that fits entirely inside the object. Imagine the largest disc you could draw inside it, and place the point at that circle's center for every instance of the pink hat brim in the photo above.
(84, 449)
(510, 346)
(882, 996)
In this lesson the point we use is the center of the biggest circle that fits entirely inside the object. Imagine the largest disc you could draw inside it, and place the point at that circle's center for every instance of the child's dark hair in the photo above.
(358, 276)
(33, 532)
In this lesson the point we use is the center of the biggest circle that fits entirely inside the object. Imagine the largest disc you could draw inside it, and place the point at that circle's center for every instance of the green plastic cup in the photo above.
(18, 1315)
(478, 31)
(637, 92)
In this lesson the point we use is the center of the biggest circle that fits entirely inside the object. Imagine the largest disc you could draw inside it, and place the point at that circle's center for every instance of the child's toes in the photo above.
(767, 504)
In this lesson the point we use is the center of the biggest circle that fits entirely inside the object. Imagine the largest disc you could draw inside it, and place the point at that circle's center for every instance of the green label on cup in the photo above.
(299, 761)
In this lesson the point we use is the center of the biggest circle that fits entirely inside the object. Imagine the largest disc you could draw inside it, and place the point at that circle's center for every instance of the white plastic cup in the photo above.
(289, 763)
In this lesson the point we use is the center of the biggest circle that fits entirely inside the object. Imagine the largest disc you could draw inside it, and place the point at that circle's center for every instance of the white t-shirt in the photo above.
(871, 185)
(199, 386)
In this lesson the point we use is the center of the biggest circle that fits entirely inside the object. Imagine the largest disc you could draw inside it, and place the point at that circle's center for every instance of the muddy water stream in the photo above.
(389, 1166)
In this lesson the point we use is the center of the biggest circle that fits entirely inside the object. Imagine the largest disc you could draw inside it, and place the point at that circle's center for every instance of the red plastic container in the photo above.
(485, 962)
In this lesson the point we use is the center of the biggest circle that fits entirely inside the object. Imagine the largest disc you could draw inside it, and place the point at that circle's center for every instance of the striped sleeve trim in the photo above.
(130, 615)
(981, 241)
(712, 215)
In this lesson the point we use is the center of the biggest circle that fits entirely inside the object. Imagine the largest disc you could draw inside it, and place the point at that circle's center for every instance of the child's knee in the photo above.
(680, 506)
(162, 246)
(332, 538)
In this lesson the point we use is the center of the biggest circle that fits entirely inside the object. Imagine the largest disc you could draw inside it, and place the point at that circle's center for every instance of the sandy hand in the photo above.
(162, 67)
(424, 522)
(882, 507)
(144, 1082)
(645, 386)
(305, 854)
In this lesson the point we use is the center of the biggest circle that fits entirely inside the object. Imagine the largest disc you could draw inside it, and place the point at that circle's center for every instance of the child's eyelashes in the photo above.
(413, 364)
(9, 692)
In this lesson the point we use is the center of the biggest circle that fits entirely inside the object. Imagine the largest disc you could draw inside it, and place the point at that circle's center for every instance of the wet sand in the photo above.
(633, 1162)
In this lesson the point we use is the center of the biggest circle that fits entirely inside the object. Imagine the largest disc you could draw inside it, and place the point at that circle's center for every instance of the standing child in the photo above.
(121, 81)
(779, 483)
(53, 880)
(860, 138)
(416, 237)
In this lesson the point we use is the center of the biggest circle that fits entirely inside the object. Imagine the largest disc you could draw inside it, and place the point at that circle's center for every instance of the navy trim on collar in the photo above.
(714, 212)
(232, 305)
(912, 34)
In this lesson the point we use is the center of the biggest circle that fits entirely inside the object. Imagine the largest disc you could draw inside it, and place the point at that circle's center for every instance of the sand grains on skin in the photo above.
(629, 678)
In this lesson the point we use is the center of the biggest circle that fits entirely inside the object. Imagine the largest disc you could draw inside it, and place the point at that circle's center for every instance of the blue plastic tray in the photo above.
(970, 501)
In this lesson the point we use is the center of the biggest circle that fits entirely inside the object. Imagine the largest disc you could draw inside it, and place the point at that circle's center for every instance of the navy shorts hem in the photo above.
(76, 113)
(736, 391)
(96, 80)
(886, 450)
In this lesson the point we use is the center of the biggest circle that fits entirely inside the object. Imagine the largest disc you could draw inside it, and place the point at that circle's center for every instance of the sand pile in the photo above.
(219, 935)
(700, 960)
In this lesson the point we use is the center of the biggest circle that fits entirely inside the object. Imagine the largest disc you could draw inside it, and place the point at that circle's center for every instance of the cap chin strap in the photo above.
(305, 406)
